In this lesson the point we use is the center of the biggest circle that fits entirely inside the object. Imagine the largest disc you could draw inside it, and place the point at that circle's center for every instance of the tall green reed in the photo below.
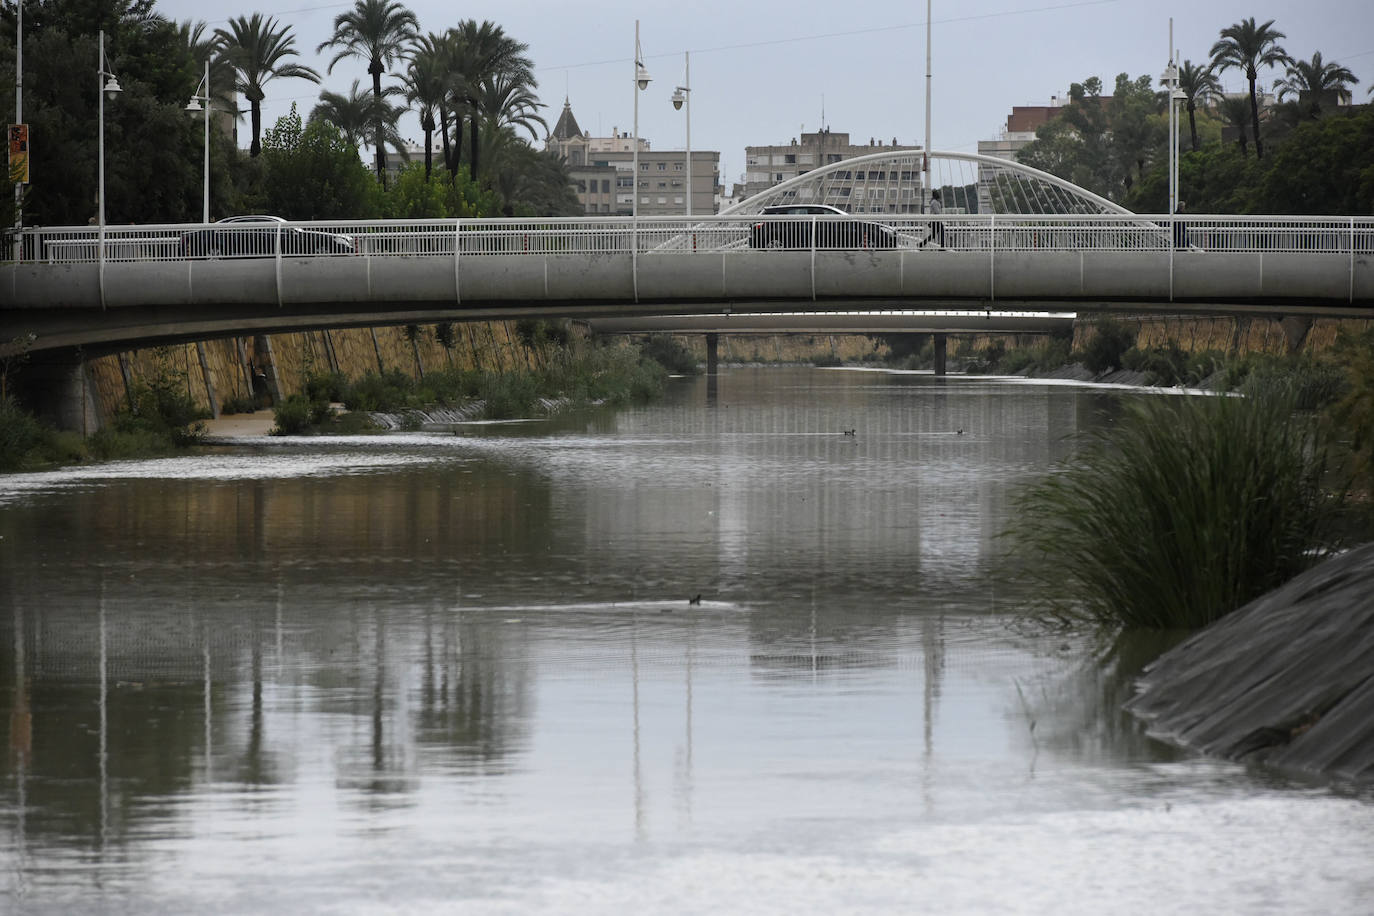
(1186, 509)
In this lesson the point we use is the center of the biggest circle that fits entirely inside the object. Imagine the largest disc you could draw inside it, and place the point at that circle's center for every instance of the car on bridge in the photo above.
(833, 227)
(255, 236)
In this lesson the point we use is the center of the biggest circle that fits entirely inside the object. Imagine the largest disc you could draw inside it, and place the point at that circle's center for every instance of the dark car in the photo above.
(256, 237)
(834, 228)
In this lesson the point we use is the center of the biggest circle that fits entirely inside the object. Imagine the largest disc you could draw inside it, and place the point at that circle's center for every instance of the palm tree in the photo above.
(1316, 78)
(1246, 46)
(257, 50)
(504, 102)
(1199, 84)
(351, 114)
(485, 52)
(379, 31)
(202, 45)
(426, 86)
(1235, 111)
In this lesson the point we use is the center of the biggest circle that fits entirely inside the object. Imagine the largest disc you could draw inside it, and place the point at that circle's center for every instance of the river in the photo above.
(467, 671)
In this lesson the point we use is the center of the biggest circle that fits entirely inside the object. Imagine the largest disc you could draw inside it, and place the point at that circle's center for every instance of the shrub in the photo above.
(293, 416)
(1185, 510)
(509, 395)
(20, 435)
(670, 353)
(1109, 342)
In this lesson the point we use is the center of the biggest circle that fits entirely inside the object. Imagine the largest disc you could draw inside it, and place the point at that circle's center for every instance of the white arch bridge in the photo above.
(1013, 238)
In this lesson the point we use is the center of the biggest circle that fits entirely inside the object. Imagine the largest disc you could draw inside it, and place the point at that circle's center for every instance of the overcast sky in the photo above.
(764, 70)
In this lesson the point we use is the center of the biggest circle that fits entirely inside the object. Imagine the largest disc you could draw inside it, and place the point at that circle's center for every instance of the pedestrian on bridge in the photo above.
(1180, 227)
(937, 228)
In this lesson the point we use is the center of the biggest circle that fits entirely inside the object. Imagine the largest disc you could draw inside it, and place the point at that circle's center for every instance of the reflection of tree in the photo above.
(471, 699)
(152, 727)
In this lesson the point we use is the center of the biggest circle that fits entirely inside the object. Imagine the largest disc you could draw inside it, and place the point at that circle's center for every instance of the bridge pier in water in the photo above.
(712, 365)
(938, 345)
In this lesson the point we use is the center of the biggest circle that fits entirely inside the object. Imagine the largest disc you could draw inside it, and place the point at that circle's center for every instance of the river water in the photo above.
(462, 672)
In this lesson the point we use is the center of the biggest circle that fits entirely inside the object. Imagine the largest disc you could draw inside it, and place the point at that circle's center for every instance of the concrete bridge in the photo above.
(139, 286)
(856, 237)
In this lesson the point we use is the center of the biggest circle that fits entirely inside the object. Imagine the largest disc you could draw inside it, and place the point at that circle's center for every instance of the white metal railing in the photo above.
(680, 236)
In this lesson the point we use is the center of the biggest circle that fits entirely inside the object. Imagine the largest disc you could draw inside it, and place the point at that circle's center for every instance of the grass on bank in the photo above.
(161, 420)
(612, 375)
(1185, 510)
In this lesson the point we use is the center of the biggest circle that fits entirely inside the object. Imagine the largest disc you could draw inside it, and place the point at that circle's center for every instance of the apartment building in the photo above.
(602, 171)
(891, 189)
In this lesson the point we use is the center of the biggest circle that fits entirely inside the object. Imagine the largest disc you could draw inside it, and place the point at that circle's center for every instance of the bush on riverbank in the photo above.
(162, 421)
(598, 375)
(1182, 512)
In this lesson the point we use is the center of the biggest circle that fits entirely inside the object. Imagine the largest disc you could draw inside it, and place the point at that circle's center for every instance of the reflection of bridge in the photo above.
(1014, 239)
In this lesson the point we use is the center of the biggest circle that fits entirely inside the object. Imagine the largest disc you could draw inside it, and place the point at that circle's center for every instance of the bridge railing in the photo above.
(668, 236)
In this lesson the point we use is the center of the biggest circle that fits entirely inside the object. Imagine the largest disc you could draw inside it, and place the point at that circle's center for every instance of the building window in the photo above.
(663, 184)
(777, 176)
(663, 166)
(677, 183)
(832, 157)
(663, 200)
(677, 200)
(644, 166)
(908, 176)
(605, 186)
(644, 200)
(860, 176)
(677, 167)
(789, 159)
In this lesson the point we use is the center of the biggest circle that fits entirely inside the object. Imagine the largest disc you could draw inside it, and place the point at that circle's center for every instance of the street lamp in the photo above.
(680, 95)
(641, 81)
(107, 86)
(194, 106)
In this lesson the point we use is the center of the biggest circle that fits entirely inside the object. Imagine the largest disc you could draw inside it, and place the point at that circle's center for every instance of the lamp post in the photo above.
(194, 106)
(641, 83)
(107, 85)
(680, 95)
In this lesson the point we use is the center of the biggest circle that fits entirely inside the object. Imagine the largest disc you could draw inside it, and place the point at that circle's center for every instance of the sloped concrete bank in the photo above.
(1287, 680)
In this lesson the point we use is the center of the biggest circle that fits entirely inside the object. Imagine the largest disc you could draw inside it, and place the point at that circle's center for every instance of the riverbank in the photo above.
(1284, 680)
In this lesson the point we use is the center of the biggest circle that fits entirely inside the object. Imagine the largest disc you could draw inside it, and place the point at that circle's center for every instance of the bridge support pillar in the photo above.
(56, 387)
(938, 345)
(712, 354)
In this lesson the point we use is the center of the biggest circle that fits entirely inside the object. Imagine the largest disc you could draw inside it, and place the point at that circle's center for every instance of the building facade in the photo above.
(885, 190)
(602, 171)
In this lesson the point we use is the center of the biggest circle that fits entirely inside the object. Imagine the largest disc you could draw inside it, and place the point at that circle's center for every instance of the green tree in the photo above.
(314, 173)
(1138, 135)
(1246, 46)
(258, 51)
(378, 31)
(1315, 79)
(1076, 145)
(1322, 168)
(437, 195)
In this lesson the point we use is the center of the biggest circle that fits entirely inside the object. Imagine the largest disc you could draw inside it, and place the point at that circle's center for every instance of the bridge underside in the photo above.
(65, 305)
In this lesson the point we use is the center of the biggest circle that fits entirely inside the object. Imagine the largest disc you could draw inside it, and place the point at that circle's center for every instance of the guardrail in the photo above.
(651, 236)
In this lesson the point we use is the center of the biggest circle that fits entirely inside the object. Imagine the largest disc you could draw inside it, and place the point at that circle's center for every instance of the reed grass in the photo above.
(1183, 511)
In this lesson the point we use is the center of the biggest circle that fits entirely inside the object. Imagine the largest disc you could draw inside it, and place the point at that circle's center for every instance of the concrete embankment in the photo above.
(1287, 680)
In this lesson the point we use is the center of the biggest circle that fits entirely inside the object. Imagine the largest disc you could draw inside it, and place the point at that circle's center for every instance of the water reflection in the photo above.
(473, 655)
